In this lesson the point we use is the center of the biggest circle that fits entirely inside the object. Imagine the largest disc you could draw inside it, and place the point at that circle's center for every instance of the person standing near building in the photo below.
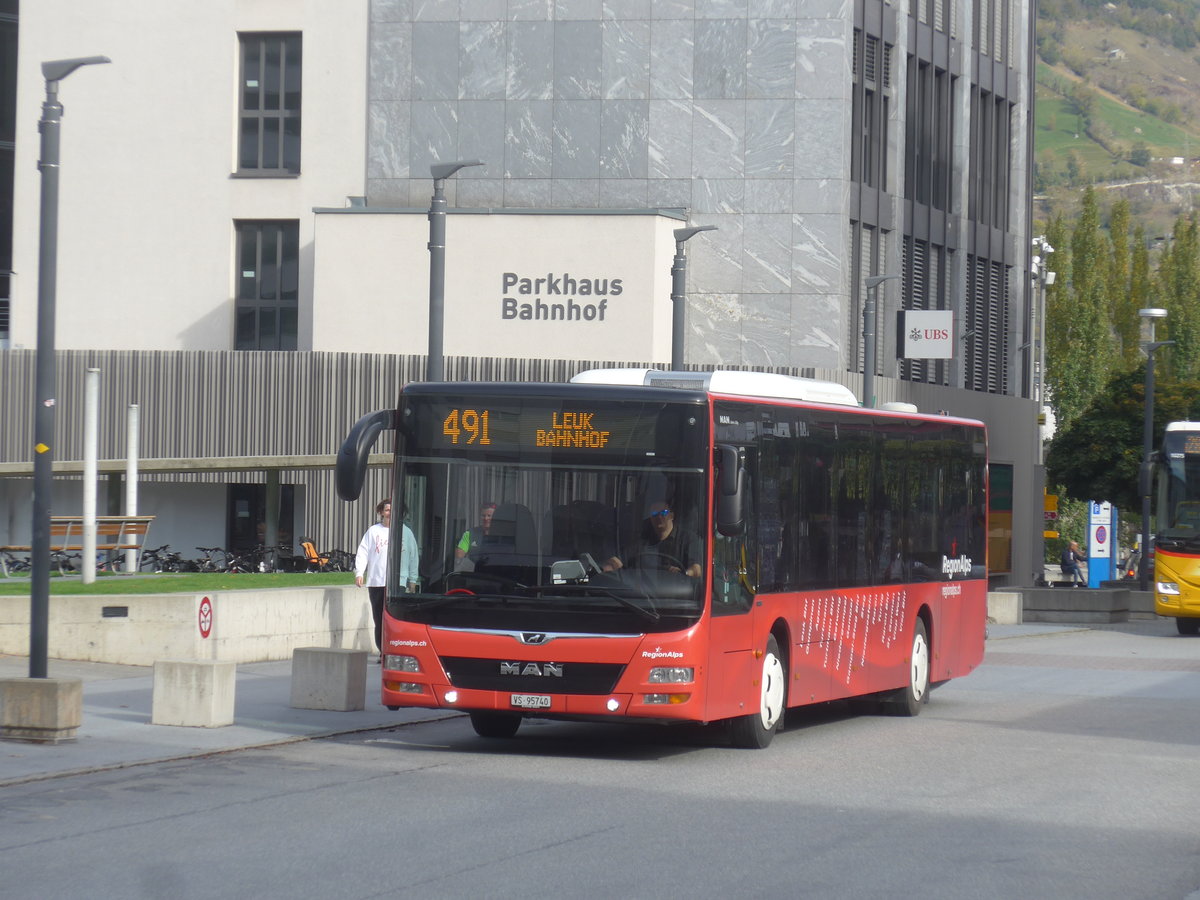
(370, 564)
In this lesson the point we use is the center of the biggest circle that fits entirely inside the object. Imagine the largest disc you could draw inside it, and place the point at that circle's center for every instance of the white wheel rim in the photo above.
(920, 667)
(771, 704)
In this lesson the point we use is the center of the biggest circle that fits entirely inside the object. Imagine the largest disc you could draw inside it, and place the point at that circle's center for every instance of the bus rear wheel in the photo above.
(909, 699)
(755, 731)
(495, 724)
(1187, 626)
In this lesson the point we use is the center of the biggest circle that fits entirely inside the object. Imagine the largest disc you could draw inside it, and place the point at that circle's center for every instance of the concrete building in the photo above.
(245, 188)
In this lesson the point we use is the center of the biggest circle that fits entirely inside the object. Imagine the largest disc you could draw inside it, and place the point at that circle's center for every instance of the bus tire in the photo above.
(755, 731)
(495, 724)
(1187, 626)
(908, 700)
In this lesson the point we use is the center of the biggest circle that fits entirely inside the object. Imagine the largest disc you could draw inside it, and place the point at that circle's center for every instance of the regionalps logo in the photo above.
(958, 566)
(551, 286)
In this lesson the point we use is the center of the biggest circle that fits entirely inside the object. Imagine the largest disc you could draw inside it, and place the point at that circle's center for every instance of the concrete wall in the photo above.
(546, 286)
(246, 626)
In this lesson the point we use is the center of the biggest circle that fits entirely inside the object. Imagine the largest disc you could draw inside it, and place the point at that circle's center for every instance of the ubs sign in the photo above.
(925, 334)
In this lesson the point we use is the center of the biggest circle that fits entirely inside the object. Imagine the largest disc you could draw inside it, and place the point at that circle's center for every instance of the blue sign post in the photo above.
(1102, 530)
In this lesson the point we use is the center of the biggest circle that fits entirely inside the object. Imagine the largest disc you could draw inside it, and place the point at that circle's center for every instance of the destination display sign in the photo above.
(494, 428)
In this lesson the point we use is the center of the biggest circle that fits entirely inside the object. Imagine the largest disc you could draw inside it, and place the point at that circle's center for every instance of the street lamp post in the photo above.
(1149, 347)
(678, 291)
(872, 286)
(434, 365)
(45, 376)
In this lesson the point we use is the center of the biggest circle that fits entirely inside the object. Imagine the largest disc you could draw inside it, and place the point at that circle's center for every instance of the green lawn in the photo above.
(186, 583)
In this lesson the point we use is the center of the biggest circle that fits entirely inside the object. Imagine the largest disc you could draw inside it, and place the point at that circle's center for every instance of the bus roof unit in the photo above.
(754, 384)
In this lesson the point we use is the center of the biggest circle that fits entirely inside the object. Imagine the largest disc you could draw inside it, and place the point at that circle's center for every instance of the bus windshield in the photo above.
(1179, 489)
(531, 516)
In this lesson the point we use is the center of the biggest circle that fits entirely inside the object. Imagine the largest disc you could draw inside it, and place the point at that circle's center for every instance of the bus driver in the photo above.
(661, 545)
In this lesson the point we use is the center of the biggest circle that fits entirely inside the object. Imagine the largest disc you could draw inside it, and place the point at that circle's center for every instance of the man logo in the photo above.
(545, 670)
(533, 637)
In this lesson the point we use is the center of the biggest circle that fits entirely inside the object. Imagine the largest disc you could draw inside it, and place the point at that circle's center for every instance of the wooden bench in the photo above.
(113, 533)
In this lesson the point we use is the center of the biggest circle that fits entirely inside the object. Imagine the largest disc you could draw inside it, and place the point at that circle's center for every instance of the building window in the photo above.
(269, 133)
(870, 102)
(268, 276)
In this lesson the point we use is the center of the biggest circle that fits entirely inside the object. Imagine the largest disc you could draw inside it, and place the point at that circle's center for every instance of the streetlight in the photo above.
(437, 264)
(49, 125)
(678, 287)
(1149, 347)
(872, 286)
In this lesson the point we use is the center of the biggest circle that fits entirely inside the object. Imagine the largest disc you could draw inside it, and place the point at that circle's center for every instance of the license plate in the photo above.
(531, 701)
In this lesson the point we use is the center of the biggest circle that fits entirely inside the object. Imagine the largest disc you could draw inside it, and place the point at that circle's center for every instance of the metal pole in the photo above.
(91, 443)
(1147, 449)
(131, 476)
(678, 292)
(434, 365)
(45, 375)
(872, 286)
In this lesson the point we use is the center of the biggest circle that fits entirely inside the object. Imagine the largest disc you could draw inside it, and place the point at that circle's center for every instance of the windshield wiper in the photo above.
(587, 589)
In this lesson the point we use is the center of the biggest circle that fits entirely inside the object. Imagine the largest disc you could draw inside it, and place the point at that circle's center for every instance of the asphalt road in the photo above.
(1067, 766)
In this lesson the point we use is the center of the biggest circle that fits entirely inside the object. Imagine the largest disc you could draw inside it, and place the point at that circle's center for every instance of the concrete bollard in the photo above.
(325, 678)
(196, 693)
(1004, 607)
(40, 710)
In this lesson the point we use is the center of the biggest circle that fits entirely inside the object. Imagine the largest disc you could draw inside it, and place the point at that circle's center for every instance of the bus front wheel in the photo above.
(1187, 626)
(495, 724)
(909, 699)
(754, 732)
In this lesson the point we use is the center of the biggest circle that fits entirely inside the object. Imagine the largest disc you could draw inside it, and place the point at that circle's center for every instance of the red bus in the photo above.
(696, 547)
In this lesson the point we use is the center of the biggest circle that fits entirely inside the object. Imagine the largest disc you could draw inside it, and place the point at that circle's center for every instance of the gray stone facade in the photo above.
(735, 110)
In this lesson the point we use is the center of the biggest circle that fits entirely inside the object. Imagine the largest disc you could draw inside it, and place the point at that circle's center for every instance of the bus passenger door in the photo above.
(731, 663)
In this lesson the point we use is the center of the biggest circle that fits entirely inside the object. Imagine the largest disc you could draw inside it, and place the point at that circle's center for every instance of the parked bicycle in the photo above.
(215, 559)
(11, 564)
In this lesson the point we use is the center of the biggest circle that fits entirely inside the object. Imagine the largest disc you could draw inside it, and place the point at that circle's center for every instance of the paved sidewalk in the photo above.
(116, 730)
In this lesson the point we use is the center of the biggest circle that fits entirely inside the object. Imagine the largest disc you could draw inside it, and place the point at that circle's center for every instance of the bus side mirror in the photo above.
(350, 468)
(1146, 478)
(731, 491)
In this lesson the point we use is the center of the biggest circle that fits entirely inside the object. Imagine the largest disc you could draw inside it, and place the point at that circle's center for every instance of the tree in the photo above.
(1098, 456)
(1179, 289)
(1140, 156)
(1124, 315)
(1142, 294)
(1080, 340)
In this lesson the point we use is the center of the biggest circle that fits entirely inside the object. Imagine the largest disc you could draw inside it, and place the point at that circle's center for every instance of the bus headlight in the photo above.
(1168, 587)
(672, 675)
(666, 698)
(402, 663)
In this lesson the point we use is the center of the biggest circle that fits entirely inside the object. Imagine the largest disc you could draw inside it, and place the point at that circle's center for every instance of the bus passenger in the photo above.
(662, 546)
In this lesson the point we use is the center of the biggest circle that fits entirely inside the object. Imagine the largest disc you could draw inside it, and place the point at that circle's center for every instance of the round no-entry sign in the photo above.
(206, 616)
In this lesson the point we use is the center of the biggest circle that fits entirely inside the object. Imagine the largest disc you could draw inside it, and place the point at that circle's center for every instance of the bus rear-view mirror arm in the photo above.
(350, 468)
(731, 491)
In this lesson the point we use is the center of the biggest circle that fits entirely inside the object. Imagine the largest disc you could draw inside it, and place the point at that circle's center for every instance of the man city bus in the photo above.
(677, 547)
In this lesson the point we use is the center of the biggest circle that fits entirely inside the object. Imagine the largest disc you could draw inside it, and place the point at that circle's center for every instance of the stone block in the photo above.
(326, 678)
(196, 693)
(41, 710)
(1082, 606)
(1004, 607)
